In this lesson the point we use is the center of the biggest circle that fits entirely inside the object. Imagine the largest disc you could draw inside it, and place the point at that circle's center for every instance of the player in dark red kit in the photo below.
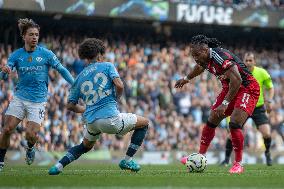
(239, 95)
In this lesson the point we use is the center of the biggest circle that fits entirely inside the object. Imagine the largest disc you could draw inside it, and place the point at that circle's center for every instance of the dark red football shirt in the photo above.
(221, 60)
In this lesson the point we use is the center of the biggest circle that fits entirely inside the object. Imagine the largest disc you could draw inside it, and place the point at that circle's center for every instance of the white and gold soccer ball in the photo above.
(195, 162)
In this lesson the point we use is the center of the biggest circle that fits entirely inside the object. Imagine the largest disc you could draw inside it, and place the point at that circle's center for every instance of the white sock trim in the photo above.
(59, 166)
(128, 158)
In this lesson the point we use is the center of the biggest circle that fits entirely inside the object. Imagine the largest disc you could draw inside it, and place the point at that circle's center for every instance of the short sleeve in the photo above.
(227, 64)
(12, 60)
(222, 59)
(113, 72)
(74, 93)
(53, 61)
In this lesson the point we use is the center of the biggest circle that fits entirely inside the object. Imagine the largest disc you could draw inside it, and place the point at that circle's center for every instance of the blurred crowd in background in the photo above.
(273, 4)
(149, 71)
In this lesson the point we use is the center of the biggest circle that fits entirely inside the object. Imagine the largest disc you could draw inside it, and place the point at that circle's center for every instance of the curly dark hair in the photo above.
(90, 48)
(202, 39)
(25, 24)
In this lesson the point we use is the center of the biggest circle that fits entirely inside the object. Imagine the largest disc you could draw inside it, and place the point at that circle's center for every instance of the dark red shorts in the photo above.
(245, 99)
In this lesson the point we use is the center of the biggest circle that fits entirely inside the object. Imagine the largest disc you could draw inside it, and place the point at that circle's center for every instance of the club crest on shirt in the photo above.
(30, 59)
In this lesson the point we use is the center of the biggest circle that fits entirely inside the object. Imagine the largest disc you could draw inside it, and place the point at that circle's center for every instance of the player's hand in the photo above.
(180, 83)
(268, 107)
(220, 110)
(6, 69)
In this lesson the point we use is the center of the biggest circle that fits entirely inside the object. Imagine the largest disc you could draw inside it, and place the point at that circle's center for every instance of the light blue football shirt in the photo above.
(95, 86)
(32, 68)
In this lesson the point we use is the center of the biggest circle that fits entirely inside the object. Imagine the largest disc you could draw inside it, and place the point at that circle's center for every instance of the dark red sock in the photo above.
(207, 135)
(238, 143)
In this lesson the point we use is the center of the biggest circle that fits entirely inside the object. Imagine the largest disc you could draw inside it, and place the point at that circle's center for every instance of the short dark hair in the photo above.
(203, 40)
(25, 24)
(90, 48)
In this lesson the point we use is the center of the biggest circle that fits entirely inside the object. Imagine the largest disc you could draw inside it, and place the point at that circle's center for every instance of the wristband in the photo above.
(225, 102)
(186, 78)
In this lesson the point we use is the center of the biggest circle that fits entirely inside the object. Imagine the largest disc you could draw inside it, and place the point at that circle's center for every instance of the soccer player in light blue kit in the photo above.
(32, 63)
(100, 86)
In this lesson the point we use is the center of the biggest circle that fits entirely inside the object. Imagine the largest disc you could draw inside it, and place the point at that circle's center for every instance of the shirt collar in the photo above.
(30, 51)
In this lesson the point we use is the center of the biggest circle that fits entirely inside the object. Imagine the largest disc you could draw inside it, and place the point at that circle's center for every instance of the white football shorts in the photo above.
(24, 109)
(119, 125)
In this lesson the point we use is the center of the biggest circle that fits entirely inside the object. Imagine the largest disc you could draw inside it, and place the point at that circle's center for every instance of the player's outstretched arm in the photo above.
(65, 74)
(268, 99)
(197, 70)
(235, 78)
(268, 93)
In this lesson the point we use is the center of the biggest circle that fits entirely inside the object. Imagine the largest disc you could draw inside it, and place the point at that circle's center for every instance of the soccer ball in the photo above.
(196, 162)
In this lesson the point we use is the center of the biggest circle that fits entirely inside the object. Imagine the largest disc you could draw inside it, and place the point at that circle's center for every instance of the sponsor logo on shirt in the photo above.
(226, 64)
(30, 69)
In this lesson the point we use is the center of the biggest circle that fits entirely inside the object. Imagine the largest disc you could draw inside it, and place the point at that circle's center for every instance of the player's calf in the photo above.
(9, 125)
(31, 137)
(136, 140)
(4, 144)
(237, 140)
(207, 136)
(72, 154)
(5, 136)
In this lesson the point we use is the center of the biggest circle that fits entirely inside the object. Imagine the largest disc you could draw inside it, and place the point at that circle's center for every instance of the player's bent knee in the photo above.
(142, 122)
(266, 135)
(146, 127)
(233, 125)
(88, 144)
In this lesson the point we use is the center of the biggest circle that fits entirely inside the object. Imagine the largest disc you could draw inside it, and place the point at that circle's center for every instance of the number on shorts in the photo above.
(93, 95)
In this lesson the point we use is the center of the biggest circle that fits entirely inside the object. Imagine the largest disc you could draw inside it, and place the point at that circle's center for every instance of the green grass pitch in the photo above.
(151, 176)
